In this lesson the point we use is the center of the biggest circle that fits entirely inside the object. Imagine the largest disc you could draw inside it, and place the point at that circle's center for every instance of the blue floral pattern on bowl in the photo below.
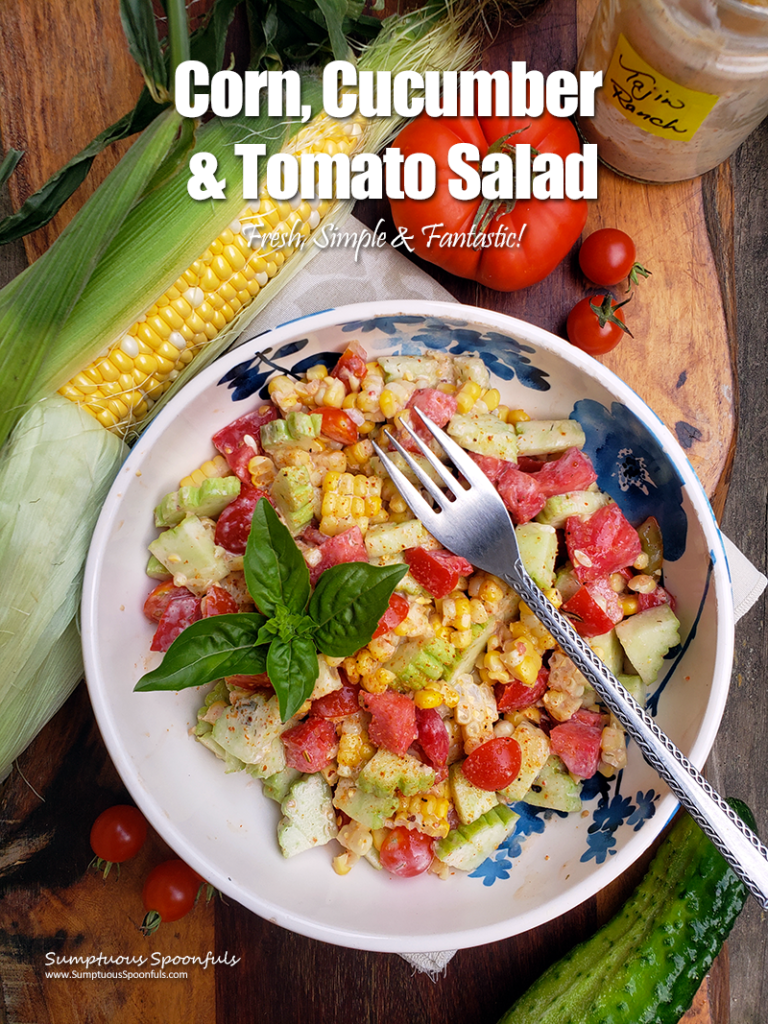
(631, 466)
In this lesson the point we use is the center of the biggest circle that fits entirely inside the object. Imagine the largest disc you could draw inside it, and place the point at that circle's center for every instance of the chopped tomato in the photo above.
(521, 493)
(160, 598)
(338, 426)
(516, 696)
(433, 736)
(437, 571)
(494, 764)
(218, 601)
(231, 440)
(577, 744)
(352, 366)
(573, 471)
(310, 745)
(594, 608)
(654, 599)
(593, 718)
(179, 613)
(601, 543)
(440, 408)
(260, 681)
(393, 720)
(234, 523)
(338, 703)
(489, 464)
(344, 547)
(397, 611)
(406, 852)
(529, 464)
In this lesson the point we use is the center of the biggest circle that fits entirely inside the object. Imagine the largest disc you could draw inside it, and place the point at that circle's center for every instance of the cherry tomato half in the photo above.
(607, 256)
(406, 852)
(494, 764)
(596, 324)
(117, 835)
(169, 893)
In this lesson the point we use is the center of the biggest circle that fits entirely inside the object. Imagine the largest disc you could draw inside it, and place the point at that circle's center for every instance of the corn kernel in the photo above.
(427, 698)
(517, 416)
(467, 395)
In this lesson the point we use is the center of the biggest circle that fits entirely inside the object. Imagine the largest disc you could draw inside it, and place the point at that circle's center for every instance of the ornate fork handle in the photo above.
(738, 844)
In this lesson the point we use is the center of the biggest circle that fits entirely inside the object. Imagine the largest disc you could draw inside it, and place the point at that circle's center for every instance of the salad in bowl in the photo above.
(336, 718)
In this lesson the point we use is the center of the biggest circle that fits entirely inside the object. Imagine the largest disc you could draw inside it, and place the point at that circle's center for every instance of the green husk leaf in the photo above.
(207, 44)
(31, 316)
(54, 475)
(44, 204)
(140, 29)
(8, 166)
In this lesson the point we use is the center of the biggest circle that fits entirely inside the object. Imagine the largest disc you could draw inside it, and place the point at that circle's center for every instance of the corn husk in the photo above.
(54, 476)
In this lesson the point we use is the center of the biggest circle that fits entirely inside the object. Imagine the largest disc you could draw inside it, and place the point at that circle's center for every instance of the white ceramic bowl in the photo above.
(222, 824)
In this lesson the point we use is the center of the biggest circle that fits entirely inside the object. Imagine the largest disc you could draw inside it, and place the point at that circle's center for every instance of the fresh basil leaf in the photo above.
(293, 670)
(275, 571)
(222, 645)
(348, 602)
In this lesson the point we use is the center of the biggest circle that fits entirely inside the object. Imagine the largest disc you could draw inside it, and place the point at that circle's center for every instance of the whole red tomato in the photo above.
(169, 893)
(549, 227)
(596, 324)
(607, 256)
(406, 852)
(117, 835)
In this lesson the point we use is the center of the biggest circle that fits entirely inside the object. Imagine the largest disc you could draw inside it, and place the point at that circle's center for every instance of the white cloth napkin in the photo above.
(364, 273)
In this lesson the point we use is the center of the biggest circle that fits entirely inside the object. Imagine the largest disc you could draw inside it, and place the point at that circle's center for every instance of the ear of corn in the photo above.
(54, 476)
(96, 317)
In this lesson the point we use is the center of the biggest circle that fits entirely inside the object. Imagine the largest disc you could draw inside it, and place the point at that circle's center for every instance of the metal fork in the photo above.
(473, 521)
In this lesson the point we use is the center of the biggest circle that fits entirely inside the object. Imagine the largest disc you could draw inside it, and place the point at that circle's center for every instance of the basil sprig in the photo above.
(293, 624)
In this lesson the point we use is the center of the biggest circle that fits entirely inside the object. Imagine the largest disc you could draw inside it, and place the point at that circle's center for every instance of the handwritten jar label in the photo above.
(652, 101)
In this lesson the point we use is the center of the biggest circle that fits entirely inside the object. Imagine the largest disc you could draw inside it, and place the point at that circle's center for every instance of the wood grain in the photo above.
(65, 79)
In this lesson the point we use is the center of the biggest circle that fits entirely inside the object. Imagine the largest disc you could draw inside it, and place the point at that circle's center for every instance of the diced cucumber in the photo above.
(574, 503)
(636, 687)
(276, 786)
(555, 788)
(385, 539)
(609, 650)
(387, 772)
(548, 437)
(538, 550)
(472, 368)
(294, 497)
(369, 809)
(250, 729)
(470, 801)
(189, 553)
(466, 847)
(647, 637)
(308, 816)
(411, 368)
(156, 570)
(484, 434)
(209, 499)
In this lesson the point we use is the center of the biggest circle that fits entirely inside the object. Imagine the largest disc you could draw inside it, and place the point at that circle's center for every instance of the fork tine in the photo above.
(429, 485)
(410, 495)
(466, 466)
(448, 479)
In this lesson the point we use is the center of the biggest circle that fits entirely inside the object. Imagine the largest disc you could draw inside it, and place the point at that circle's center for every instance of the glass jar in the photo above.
(684, 83)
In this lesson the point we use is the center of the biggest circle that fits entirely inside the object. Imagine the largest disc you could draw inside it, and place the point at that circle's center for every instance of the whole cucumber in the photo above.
(647, 963)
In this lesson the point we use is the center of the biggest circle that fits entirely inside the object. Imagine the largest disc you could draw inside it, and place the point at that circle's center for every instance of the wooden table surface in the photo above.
(706, 242)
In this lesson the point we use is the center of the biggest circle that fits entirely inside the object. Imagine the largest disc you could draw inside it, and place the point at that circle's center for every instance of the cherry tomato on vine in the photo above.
(406, 852)
(117, 835)
(596, 324)
(494, 764)
(608, 256)
(169, 892)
